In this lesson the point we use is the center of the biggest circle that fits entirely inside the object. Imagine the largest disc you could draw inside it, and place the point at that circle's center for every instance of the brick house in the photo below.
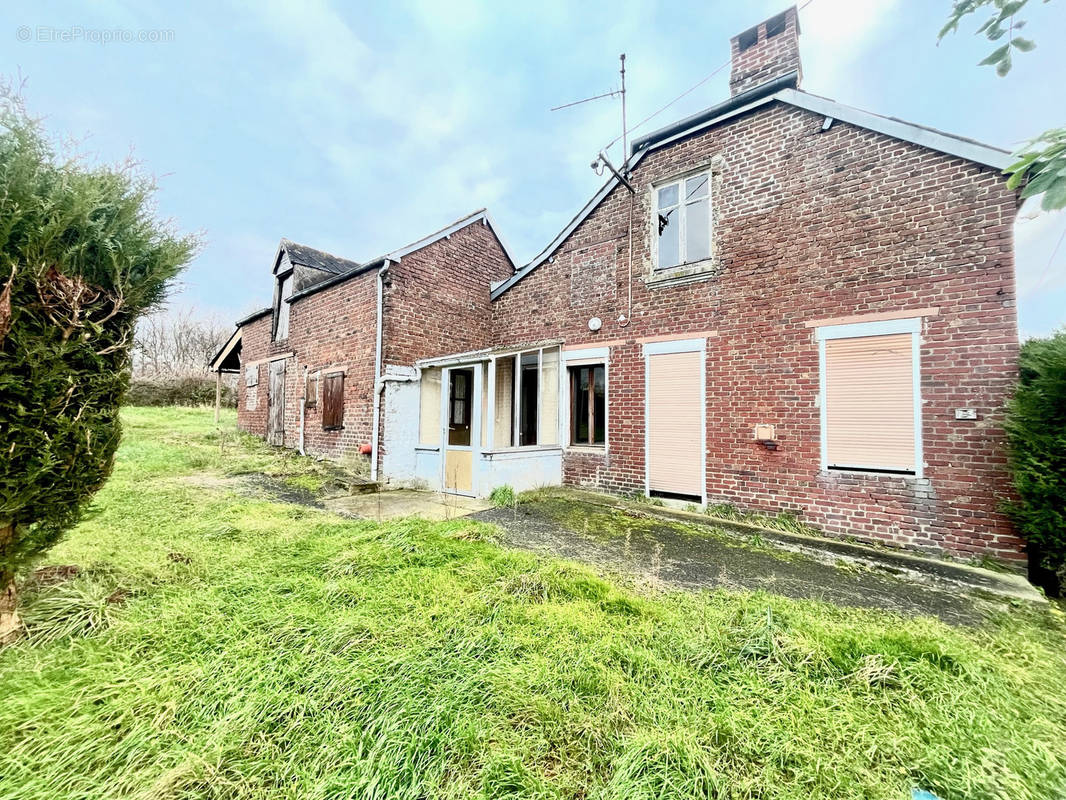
(783, 303)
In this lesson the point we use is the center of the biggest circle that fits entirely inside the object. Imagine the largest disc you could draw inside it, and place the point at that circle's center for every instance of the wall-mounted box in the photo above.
(765, 433)
(965, 413)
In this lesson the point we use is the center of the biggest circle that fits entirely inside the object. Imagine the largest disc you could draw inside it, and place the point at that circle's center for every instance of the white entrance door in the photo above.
(461, 422)
(676, 418)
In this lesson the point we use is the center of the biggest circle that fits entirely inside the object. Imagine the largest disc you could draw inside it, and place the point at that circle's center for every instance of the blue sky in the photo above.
(358, 127)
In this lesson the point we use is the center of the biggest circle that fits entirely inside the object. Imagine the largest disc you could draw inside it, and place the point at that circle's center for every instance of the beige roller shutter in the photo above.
(675, 423)
(869, 396)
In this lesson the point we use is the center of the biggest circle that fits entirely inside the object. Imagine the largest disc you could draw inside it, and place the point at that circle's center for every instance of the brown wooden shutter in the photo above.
(333, 401)
(869, 395)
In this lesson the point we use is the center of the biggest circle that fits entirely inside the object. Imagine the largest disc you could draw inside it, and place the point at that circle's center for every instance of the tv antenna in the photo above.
(602, 160)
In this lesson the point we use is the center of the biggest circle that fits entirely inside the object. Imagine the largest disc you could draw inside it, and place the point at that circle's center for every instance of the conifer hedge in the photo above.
(1036, 433)
(82, 256)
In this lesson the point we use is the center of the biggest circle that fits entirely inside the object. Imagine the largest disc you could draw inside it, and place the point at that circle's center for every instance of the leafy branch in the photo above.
(1001, 23)
(1041, 165)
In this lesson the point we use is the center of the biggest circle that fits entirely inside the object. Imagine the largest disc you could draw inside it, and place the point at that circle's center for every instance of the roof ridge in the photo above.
(429, 238)
(777, 90)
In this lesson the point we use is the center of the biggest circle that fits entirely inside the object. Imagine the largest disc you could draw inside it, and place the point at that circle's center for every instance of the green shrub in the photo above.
(82, 256)
(188, 390)
(1036, 436)
(503, 497)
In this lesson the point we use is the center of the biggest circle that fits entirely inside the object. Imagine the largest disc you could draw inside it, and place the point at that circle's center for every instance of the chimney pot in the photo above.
(766, 51)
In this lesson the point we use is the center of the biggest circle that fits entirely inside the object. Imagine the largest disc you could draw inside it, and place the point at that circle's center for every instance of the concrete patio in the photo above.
(398, 503)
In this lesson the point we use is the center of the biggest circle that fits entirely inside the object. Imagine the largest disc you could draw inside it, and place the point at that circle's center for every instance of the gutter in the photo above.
(254, 316)
(379, 384)
(314, 288)
(790, 80)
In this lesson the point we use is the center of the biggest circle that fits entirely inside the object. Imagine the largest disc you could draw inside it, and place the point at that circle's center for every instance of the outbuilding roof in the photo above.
(317, 259)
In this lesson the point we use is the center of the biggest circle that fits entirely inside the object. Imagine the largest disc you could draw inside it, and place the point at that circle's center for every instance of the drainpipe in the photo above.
(303, 405)
(379, 385)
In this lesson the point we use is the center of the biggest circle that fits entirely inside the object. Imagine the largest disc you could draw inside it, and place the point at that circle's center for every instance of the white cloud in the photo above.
(835, 34)
(389, 120)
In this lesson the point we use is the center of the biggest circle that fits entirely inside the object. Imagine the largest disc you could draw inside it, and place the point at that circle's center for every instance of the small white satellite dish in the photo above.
(595, 324)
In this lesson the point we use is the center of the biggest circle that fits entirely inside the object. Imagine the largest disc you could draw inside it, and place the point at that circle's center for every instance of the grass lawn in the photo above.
(221, 645)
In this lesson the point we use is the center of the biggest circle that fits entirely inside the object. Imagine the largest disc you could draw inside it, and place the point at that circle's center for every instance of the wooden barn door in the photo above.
(276, 403)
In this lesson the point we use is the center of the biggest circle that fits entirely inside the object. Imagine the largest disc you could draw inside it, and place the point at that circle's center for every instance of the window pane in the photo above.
(668, 196)
(697, 230)
(696, 187)
(599, 407)
(485, 405)
(669, 240)
(549, 397)
(459, 413)
(579, 405)
(504, 413)
(527, 425)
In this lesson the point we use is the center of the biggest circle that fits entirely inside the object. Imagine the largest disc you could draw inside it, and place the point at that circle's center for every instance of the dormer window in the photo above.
(683, 221)
(281, 307)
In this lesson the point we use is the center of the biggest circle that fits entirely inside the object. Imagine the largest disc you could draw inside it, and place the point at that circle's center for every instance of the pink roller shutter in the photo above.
(869, 397)
(675, 423)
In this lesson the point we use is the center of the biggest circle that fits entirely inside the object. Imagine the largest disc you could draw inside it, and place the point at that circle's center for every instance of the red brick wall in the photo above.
(437, 301)
(255, 346)
(331, 329)
(334, 329)
(809, 225)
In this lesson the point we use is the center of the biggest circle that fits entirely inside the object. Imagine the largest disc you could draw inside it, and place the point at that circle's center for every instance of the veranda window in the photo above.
(526, 412)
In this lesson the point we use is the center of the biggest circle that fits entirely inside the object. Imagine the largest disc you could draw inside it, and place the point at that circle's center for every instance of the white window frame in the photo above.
(682, 235)
(516, 393)
(859, 330)
(589, 357)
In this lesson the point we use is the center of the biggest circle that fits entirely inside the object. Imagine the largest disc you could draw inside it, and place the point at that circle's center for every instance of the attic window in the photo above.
(775, 25)
(748, 39)
(281, 307)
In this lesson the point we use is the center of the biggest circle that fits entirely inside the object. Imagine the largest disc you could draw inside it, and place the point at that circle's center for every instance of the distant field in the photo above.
(218, 644)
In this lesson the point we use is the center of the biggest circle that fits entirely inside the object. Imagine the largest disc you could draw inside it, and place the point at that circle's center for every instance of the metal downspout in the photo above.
(303, 406)
(379, 385)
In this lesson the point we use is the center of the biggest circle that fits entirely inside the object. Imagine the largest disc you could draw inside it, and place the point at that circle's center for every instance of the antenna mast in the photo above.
(625, 141)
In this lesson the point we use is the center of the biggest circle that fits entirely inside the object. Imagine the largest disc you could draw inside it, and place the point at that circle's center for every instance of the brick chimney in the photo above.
(767, 51)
